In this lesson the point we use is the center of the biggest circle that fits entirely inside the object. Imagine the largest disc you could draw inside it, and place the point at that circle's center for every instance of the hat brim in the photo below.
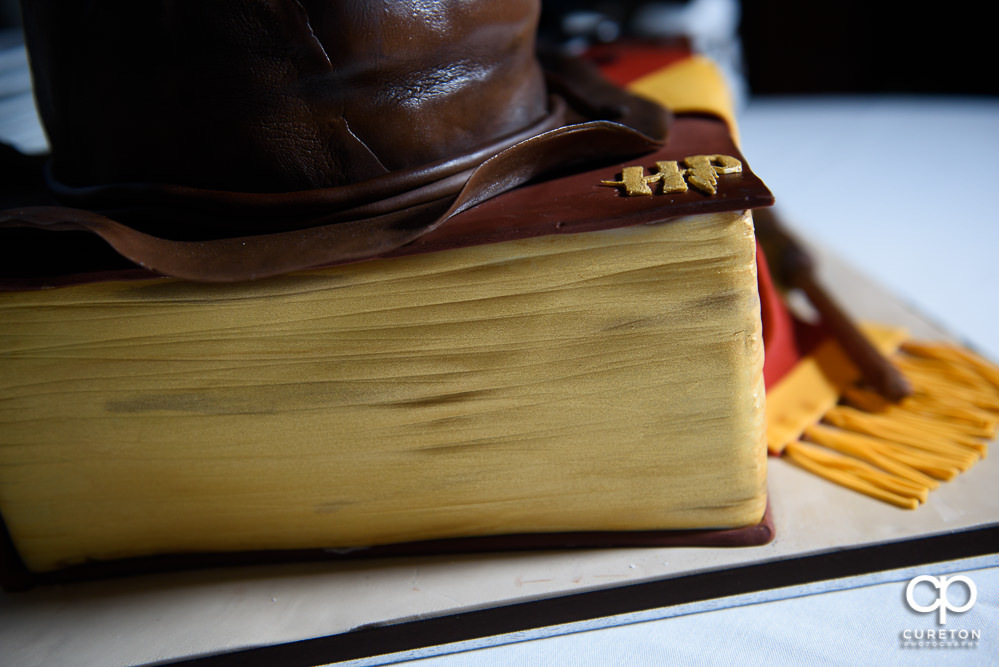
(341, 235)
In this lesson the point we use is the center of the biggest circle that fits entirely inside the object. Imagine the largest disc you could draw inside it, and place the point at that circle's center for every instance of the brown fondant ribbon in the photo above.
(334, 239)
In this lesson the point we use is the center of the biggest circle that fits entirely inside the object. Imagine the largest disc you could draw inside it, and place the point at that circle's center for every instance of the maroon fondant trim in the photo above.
(14, 576)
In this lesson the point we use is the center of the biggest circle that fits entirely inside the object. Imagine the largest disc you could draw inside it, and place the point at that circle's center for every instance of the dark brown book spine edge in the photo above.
(15, 576)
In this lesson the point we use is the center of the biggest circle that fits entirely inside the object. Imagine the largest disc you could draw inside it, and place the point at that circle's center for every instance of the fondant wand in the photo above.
(794, 267)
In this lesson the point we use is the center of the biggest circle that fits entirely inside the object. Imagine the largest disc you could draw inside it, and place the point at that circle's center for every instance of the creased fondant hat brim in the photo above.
(257, 256)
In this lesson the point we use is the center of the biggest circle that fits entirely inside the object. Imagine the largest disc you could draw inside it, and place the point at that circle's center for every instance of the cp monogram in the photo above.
(942, 602)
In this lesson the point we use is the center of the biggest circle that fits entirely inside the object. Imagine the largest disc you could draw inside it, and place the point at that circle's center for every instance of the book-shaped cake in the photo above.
(573, 357)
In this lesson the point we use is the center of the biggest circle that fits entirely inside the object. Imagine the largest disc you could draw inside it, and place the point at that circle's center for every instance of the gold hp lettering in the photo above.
(700, 172)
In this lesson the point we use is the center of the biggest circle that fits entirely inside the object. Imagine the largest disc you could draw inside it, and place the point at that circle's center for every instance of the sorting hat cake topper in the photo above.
(257, 138)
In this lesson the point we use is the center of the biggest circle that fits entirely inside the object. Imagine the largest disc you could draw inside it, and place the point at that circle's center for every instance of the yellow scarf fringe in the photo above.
(822, 419)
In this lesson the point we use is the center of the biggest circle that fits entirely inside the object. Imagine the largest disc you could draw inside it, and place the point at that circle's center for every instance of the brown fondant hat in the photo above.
(237, 139)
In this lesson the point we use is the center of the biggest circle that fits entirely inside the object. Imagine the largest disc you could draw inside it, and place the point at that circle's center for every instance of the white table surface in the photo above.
(899, 187)
(910, 178)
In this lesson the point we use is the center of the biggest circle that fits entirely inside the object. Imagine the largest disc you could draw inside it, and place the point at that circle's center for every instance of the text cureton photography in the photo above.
(937, 597)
